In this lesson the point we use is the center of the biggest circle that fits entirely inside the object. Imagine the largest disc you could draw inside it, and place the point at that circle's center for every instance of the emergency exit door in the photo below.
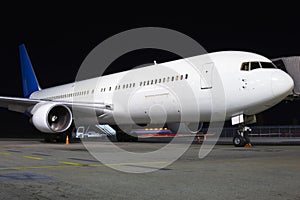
(207, 72)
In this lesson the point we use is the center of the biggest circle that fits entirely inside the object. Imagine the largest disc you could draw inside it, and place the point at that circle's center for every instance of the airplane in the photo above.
(159, 93)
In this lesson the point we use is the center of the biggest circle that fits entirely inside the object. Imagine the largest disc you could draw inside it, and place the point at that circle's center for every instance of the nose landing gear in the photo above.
(241, 137)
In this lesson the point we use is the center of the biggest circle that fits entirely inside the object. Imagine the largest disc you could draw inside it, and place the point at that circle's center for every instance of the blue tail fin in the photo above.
(30, 83)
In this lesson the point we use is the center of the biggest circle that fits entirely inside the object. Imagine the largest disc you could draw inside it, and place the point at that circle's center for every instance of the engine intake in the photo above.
(51, 117)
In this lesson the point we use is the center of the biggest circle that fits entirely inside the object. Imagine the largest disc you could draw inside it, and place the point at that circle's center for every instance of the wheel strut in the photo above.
(241, 138)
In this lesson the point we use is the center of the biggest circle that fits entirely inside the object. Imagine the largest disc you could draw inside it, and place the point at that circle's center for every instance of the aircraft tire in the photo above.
(239, 141)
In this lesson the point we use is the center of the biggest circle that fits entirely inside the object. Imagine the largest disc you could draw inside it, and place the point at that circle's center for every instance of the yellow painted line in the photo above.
(35, 167)
(133, 163)
(5, 153)
(33, 157)
(71, 164)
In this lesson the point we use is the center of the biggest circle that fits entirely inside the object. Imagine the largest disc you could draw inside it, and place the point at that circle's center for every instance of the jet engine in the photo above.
(51, 117)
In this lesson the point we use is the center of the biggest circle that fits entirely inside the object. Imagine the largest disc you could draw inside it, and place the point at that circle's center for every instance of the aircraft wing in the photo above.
(24, 105)
(17, 104)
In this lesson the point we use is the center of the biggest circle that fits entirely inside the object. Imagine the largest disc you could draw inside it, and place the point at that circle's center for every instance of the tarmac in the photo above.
(32, 169)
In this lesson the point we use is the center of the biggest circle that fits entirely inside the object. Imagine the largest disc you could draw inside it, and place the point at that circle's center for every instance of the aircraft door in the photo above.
(207, 72)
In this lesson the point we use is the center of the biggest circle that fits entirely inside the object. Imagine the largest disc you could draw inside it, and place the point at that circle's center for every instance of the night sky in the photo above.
(57, 44)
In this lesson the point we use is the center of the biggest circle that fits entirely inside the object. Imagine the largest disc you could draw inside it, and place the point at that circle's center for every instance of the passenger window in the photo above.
(181, 77)
(177, 78)
(172, 78)
(133, 84)
(254, 65)
(151, 82)
(141, 83)
(186, 76)
(245, 66)
(164, 80)
(109, 88)
(159, 80)
(147, 82)
(155, 81)
(168, 79)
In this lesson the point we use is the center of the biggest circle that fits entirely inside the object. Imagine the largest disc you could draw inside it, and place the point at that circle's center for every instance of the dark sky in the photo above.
(58, 42)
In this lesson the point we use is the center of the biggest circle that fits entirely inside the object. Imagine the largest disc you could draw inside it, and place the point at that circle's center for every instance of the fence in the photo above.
(265, 131)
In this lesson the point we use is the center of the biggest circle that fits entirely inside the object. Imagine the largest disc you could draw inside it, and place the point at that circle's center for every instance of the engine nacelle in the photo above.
(51, 117)
(185, 127)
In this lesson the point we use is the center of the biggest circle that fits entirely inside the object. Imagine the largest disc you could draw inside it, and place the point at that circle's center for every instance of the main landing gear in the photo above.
(125, 134)
(124, 137)
(241, 137)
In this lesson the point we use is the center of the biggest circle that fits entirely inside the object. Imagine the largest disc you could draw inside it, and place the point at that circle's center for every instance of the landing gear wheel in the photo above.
(239, 141)
(124, 137)
(241, 138)
(134, 137)
(247, 139)
(120, 137)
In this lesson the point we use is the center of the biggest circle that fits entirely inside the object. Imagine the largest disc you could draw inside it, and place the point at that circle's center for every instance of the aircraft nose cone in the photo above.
(282, 84)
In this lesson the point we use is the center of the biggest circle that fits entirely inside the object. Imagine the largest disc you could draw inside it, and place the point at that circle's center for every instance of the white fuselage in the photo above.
(194, 87)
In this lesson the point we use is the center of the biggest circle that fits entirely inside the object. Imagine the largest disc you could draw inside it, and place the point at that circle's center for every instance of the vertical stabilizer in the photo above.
(29, 80)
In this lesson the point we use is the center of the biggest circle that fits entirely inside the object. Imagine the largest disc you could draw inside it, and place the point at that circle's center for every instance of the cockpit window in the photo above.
(254, 65)
(245, 66)
(267, 65)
